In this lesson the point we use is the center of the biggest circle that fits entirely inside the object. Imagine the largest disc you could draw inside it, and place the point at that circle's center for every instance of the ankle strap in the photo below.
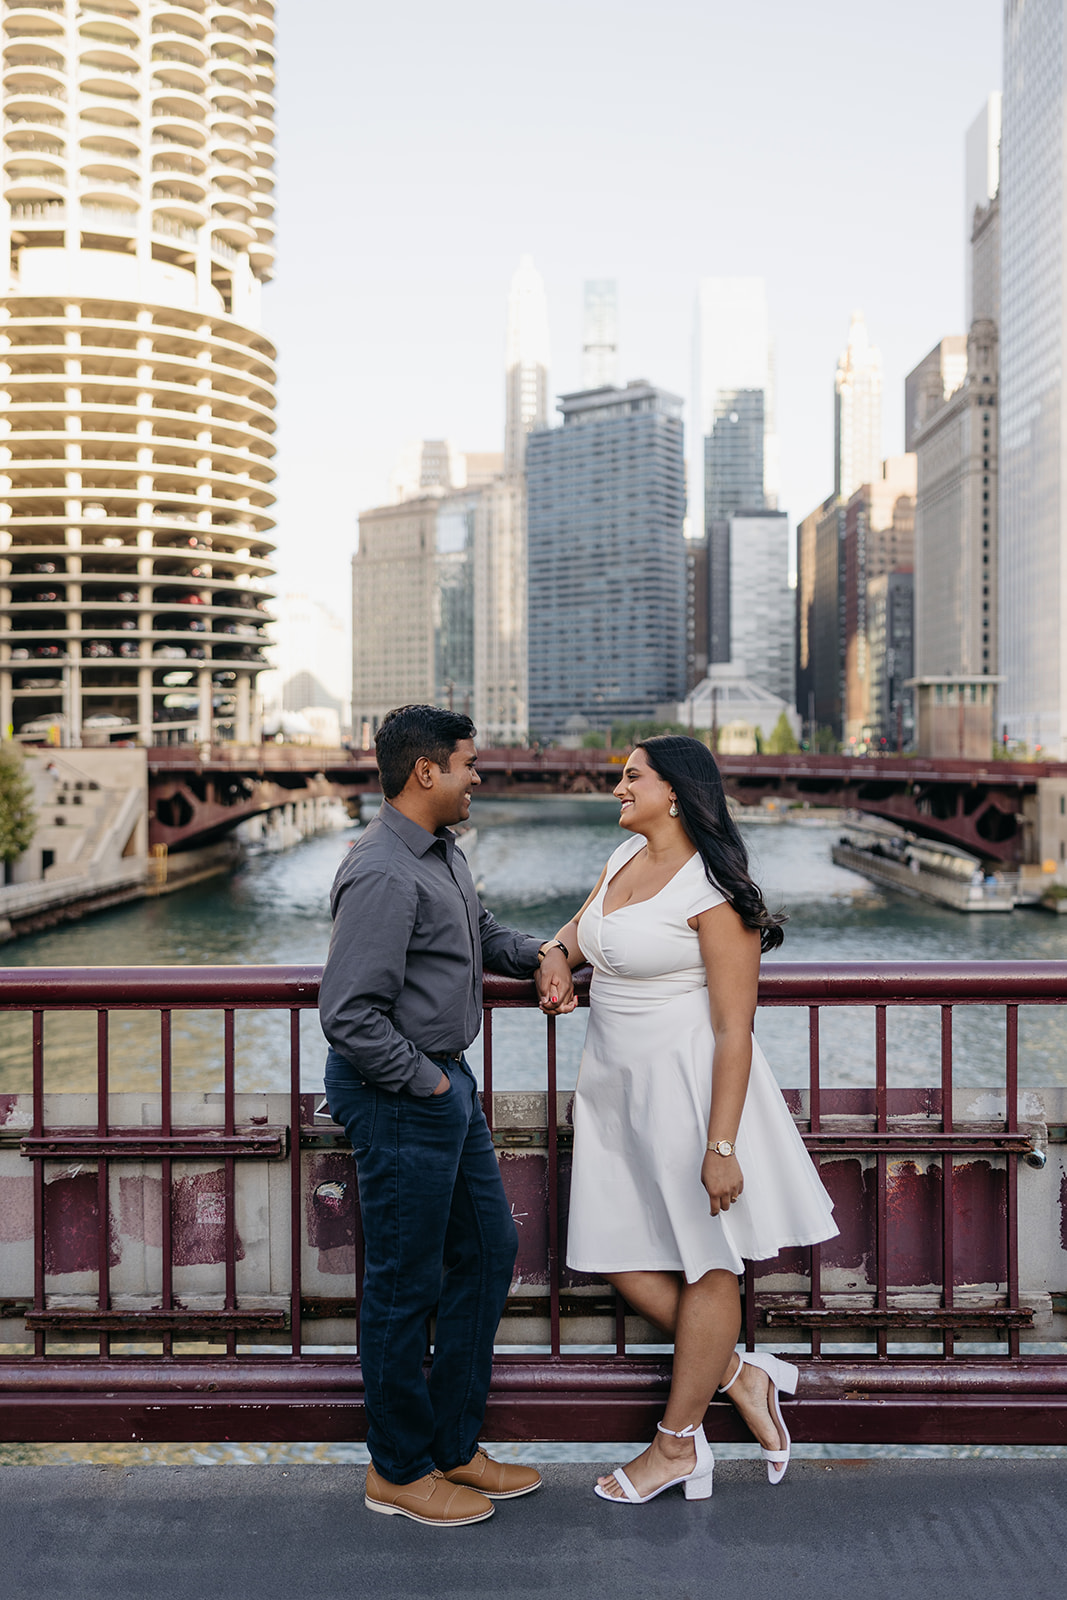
(724, 1387)
(680, 1433)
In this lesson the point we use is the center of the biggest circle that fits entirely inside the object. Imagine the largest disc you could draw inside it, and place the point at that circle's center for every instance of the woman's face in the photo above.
(644, 797)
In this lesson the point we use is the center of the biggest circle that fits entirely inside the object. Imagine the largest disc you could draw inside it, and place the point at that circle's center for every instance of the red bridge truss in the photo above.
(197, 794)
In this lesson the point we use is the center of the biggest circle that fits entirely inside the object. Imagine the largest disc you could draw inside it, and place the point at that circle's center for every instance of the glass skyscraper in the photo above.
(857, 412)
(606, 592)
(762, 605)
(527, 364)
(600, 340)
(1033, 512)
(733, 455)
(733, 358)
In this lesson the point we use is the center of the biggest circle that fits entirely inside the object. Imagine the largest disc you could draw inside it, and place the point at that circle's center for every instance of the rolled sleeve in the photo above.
(362, 980)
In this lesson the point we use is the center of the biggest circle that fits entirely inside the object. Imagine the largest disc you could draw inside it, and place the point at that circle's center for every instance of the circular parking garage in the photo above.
(136, 390)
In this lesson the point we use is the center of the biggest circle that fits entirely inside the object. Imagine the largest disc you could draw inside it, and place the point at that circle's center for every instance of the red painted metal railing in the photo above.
(947, 1302)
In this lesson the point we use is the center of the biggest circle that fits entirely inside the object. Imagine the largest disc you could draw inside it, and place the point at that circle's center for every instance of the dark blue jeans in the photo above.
(439, 1236)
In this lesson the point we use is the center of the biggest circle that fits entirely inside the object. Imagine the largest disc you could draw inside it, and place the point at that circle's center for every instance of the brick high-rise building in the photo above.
(878, 538)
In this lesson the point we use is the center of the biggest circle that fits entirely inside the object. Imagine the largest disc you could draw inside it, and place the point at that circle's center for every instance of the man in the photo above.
(400, 1002)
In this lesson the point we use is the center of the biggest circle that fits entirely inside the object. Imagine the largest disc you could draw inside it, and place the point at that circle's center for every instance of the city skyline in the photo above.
(732, 406)
(409, 298)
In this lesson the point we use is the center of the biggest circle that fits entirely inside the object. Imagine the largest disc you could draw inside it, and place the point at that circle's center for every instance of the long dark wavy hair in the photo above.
(690, 769)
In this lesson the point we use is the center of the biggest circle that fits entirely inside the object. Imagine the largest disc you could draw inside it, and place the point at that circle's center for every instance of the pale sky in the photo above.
(423, 148)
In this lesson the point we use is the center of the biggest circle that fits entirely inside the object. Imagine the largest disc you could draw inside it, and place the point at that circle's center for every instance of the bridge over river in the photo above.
(197, 793)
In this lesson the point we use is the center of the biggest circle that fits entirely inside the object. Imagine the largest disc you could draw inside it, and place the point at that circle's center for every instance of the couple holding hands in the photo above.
(686, 1159)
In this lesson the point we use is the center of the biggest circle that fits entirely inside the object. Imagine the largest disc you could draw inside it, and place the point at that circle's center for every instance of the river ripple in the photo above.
(535, 862)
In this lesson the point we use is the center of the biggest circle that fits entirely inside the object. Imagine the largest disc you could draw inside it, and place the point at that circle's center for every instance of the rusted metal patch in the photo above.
(8, 1107)
(71, 1225)
(331, 1202)
(198, 1209)
(525, 1175)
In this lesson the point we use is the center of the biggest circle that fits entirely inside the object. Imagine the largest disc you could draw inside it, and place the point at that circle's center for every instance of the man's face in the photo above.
(453, 787)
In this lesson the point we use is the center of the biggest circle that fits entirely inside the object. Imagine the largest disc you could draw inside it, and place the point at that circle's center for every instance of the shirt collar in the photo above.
(417, 838)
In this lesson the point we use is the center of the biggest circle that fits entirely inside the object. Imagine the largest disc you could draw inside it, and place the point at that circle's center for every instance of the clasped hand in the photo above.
(723, 1179)
(555, 984)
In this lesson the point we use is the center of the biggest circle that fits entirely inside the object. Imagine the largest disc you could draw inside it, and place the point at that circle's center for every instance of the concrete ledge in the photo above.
(833, 1530)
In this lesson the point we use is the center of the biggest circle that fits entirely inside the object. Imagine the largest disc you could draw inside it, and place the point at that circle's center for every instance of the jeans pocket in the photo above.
(353, 1104)
(438, 1105)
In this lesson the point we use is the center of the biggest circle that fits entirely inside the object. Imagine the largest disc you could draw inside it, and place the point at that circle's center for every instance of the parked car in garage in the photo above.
(43, 728)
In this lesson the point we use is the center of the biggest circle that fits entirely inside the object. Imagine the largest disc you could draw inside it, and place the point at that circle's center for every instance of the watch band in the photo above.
(552, 944)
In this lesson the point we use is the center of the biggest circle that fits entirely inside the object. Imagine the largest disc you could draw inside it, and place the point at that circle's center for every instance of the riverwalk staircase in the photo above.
(90, 843)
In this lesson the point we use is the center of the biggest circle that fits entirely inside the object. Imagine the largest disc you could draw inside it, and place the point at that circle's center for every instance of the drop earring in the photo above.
(673, 812)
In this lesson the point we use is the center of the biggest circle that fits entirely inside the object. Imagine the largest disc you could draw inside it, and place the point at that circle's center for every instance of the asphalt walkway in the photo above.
(942, 1530)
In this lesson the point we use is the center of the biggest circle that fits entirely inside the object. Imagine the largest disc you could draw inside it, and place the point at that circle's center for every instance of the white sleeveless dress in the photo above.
(643, 1099)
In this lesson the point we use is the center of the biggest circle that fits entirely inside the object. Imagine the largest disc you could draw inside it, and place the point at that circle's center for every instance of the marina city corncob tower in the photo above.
(136, 392)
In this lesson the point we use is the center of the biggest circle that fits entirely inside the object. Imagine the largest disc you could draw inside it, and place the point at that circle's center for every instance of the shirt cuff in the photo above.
(423, 1082)
(530, 954)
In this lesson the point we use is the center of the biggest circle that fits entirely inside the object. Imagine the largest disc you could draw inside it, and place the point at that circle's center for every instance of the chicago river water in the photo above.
(535, 862)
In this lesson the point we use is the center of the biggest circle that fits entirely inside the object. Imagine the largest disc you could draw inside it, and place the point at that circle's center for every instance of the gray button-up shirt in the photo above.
(403, 977)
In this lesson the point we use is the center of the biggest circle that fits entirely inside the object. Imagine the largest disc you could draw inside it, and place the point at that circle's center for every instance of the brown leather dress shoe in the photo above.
(431, 1499)
(499, 1480)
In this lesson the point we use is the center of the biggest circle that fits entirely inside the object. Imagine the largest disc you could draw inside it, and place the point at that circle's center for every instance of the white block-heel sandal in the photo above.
(783, 1380)
(697, 1483)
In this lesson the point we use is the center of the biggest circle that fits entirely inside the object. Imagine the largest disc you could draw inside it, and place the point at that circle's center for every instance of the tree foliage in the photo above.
(782, 741)
(18, 820)
(625, 734)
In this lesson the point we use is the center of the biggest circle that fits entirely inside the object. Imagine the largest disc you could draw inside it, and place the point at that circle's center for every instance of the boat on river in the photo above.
(940, 873)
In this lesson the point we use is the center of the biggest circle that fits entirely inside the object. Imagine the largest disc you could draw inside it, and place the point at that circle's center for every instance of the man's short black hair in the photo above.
(413, 731)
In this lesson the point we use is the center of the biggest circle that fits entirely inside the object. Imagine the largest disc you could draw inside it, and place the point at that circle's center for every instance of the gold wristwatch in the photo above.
(721, 1147)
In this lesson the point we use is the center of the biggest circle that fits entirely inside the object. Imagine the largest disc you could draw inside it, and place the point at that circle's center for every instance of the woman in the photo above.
(686, 1160)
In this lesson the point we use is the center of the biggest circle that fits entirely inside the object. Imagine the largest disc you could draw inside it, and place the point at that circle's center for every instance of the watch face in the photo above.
(724, 1147)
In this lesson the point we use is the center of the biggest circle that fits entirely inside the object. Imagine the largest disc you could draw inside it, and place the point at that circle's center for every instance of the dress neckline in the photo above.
(630, 904)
